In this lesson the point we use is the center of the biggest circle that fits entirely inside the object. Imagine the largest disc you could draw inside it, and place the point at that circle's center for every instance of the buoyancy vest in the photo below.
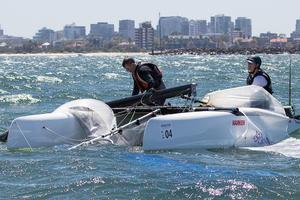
(268, 87)
(155, 73)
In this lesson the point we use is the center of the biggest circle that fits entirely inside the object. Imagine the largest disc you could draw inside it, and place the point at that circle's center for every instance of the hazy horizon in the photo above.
(25, 18)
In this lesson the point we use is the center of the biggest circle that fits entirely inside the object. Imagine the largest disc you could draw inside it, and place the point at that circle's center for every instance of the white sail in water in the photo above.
(95, 117)
(247, 96)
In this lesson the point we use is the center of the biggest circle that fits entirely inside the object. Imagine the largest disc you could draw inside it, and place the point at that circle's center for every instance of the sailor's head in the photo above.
(129, 64)
(254, 63)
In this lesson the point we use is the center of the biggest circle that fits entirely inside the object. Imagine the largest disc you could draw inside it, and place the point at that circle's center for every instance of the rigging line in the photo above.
(186, 106)
(24, 136)
(53, 132)
(130, 111)
(124, 118)
(141, 101)
(124, 140)
(116, 131)
(250, 122)
(246, 130)
(290, 81)
(132, 115)
(121, 113)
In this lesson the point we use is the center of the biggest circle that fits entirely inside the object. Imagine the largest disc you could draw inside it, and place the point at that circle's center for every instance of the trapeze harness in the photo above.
(155, 73)
(268, 87)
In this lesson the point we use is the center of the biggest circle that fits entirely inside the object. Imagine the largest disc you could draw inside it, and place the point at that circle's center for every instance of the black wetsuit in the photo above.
(150, 74)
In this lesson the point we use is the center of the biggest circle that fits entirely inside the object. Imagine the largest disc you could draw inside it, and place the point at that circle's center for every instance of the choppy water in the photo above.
(32, 84)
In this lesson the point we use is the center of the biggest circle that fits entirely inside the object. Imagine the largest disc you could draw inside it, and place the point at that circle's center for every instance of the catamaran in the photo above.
(245, 116)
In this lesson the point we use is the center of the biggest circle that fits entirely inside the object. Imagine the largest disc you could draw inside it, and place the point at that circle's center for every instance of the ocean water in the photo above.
(33, 84)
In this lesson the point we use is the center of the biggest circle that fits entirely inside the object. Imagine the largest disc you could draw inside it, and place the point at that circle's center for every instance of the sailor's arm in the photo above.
(135, 90)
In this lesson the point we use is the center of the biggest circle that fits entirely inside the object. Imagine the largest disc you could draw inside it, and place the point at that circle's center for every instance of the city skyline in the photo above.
(26, 18)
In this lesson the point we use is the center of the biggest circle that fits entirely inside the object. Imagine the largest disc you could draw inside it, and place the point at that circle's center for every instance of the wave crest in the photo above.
(19, 99)
(48, 79)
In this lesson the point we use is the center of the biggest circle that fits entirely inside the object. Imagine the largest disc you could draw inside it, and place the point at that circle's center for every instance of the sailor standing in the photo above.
(256, 75)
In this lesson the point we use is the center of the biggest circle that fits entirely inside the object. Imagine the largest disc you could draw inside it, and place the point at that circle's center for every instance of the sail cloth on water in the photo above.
(92, 124)
(131, 136)
(251, 96)
(95, 117)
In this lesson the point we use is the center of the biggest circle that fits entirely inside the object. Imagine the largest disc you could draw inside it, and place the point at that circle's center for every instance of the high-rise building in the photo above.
(296, 33)
(221, 24)
(58, 35)
(243, 24)
(1, 31)
(73, 32)
(173, 25)
(268, 35)
(185, 27)
(44, 35)
(298, 25)
(127, 29)
(144, 36)
(197, 27)
(102, 30)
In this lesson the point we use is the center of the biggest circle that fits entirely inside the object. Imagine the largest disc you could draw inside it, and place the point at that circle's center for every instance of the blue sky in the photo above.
(25, 17)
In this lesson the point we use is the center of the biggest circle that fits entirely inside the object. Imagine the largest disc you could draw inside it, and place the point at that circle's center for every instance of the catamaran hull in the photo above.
(71, 123)
(44, 130)
(215, 129)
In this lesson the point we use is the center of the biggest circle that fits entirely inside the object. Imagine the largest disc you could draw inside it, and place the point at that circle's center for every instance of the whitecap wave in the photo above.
(3, 92)
(48, 79)
(289, 147)
(111, 75)
(19, 99)
(202, 68)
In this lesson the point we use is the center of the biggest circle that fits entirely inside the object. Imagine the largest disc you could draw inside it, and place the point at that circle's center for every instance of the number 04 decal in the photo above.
(166, 131)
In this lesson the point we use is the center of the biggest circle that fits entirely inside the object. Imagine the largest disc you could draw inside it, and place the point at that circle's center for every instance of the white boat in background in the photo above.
(238, 117)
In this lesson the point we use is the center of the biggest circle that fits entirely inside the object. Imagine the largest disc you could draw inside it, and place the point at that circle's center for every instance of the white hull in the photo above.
(216, 129)
(44, 130)
(259, 121)
(71, 123)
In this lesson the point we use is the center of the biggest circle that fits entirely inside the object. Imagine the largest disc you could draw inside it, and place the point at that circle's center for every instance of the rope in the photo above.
(133, 109)
(113, 132)
(249, 122)
(132, 115)
(186, 106)
(124, 140)
(124, 118)
(141, 101)
(51, 131)
(24, 136)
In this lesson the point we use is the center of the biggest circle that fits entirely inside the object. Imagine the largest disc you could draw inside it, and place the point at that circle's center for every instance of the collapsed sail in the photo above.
(251, 96)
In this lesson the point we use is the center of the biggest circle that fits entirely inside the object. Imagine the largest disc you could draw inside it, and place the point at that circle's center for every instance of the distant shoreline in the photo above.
(190, 51)
(74, 54)
(230, 51)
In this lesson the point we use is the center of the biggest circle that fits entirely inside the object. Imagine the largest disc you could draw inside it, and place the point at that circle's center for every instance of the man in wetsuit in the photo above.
(256, 75)
(146, 76)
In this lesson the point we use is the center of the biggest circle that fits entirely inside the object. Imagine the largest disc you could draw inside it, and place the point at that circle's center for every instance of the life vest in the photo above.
(155, 73)
(268, 87)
